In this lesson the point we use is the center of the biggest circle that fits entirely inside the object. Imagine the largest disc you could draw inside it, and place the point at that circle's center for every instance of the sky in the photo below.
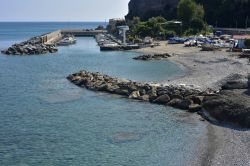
(62, 10)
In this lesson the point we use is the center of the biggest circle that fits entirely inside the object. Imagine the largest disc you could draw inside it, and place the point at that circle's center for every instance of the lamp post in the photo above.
(124, 30)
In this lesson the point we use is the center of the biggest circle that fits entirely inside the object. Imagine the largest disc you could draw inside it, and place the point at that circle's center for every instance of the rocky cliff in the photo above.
(226, 13)
(150, 8)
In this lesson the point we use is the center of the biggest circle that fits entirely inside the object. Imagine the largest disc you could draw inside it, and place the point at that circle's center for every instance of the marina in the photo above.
(47, 43)
(152, 83)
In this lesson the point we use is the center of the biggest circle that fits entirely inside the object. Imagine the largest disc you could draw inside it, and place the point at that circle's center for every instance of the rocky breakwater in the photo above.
(152, 57)
(33, 46)
(176, 96)
(232, 103)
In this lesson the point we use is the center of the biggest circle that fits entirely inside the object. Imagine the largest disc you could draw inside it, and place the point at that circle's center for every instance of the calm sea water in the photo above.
(45, 120)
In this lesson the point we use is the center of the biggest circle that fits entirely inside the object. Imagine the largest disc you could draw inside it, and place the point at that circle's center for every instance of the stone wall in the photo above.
(51, 38)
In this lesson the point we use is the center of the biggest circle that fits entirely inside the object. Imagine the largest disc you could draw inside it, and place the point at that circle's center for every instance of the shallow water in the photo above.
(46, 120)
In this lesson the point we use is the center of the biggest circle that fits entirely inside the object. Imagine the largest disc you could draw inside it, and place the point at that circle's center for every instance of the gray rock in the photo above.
(176, 96)
(181, 104)
(163, 99)
(152, 57)
(237, 84)
(144, 97)
(134, 95)
(196, 99)
(230, 106)
(123, 92)
(143, 92)
(194, 108)
(152, 93)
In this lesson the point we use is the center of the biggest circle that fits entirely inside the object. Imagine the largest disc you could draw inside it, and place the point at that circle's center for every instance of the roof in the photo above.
(238, 37)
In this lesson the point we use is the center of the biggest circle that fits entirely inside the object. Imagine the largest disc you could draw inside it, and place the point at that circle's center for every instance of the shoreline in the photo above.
(205, 70)
(218, 144)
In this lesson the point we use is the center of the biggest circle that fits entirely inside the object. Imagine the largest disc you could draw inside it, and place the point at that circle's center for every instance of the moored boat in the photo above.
(69, 40)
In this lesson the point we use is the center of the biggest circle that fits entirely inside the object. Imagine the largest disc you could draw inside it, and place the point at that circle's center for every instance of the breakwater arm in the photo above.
(230, 105)
(36, 45)
(176, 96)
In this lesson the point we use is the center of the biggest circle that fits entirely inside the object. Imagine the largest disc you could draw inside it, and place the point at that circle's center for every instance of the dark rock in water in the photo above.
(196, 99)
(123, 92)
(181, 104)
(231, 106)
(164, 99)
(194, 108)
(152, 57)
(176, 96)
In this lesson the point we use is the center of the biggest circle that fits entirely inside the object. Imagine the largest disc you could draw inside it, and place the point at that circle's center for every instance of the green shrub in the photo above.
(169, 34)
(190, 31)
(197, 24)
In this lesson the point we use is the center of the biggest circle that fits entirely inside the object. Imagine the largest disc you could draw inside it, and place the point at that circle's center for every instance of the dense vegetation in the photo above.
(157, 27)
(227, 13)
(190, 13)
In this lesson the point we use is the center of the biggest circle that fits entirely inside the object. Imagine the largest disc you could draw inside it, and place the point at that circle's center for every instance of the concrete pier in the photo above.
(82, 32)
(51, 38)
(43, 44)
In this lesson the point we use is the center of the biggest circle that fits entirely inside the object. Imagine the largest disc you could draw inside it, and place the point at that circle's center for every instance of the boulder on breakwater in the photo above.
(152, 57)
(33, 46)
(232, 103)
(176, 96)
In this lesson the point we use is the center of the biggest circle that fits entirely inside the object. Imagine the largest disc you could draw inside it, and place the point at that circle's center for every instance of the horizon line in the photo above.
(51, 21)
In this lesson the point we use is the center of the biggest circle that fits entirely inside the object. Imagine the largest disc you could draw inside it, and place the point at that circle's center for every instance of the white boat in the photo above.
(67, 41)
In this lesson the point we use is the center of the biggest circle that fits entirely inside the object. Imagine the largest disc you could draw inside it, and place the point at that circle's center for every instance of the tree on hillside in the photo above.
(199, 12)
(191, 14)
(186, 11)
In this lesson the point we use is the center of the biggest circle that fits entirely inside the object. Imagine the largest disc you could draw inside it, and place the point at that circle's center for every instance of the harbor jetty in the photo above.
(228, 109)
(36, 45)
(181, 97)
(47, 43)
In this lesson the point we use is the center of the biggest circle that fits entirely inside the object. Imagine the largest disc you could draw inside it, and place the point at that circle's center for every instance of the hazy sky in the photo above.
(62, 10)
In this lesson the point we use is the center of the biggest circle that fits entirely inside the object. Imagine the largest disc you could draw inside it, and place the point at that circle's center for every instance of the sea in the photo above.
(46, 120)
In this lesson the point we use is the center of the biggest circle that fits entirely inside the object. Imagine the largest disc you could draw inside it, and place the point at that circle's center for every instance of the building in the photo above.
(233, 31)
